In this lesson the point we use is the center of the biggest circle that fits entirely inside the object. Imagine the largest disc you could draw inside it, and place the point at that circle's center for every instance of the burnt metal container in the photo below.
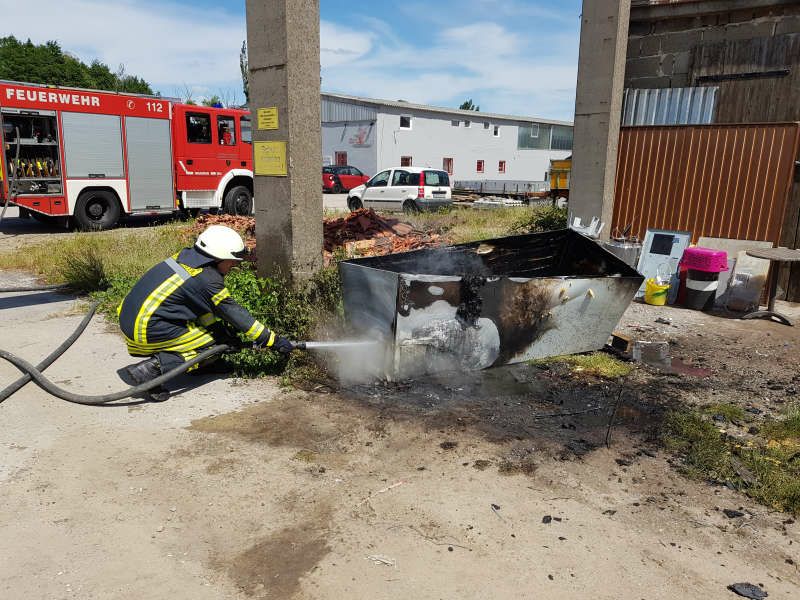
(490, 303)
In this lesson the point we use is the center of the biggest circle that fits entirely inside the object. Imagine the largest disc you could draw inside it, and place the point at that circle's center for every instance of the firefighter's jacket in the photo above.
(170, 307)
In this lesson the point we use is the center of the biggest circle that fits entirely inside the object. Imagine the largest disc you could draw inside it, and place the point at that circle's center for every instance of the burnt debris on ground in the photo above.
(360, 233)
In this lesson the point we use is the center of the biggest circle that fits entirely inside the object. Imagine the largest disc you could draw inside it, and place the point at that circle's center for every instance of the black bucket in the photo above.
(701, 289)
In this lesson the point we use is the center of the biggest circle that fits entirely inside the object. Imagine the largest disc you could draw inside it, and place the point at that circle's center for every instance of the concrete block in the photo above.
(740, 31)
(634, 47)
(643, 67)
(666, 66)
(790, 24)
(681, 41)
(640, 28)
(679, 24)
(681, 62)
(649, 83)
(681, 80)
(651, 45)
(741, 16)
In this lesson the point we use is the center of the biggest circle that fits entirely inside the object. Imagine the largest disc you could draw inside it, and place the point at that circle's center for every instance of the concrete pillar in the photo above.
(598, 108)
(283, 53)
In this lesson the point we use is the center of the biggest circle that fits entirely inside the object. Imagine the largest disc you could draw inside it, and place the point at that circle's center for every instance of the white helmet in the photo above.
(221, 242)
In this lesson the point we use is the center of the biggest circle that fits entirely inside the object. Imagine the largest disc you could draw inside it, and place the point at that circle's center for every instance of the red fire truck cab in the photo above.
(96, 156)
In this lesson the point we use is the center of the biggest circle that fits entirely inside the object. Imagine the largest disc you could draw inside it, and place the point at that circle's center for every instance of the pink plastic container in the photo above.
(705, 259)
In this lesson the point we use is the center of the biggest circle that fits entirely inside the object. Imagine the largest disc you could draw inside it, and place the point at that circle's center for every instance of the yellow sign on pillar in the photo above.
(268, 118)
(270, 158)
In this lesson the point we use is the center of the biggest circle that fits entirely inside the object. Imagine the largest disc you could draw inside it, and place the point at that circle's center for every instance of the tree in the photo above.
(48, 64)
(468, 105)
(214, 100)
(244, 67)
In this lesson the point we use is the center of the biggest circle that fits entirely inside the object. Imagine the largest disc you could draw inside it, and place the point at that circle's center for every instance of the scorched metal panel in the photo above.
(490, 303)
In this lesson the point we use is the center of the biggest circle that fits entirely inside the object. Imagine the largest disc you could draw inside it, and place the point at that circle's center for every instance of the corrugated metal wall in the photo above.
(728, 181)
(334, 111)
(669, 106)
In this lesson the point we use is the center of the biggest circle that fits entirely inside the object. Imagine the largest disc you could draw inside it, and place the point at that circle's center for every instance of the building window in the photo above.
(467, 123)
(405, 161)
(534, 130)
(486, 125)
(501, 166)
(447, 165)
(455, 123)
(341, 159)
(198, 128)
(497, 131)
(405, 122)
(479, 166)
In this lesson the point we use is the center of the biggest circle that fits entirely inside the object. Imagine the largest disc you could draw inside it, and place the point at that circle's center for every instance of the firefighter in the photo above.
(176, 310)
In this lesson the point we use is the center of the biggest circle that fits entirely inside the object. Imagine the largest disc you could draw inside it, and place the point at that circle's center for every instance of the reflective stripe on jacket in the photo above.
(171, 305)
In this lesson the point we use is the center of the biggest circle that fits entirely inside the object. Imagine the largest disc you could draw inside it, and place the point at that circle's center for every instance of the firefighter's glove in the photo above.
(283, 345)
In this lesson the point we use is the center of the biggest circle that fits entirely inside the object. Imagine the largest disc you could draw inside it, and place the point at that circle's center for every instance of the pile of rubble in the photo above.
(361, 233)
(364, 233)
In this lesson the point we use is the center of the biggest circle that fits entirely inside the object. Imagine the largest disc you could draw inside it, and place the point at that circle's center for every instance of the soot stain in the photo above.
(471, 305)
(523, 316)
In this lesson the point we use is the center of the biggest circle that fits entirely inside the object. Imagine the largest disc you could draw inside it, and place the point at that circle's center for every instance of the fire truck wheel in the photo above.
(238, 201)
(97, 209)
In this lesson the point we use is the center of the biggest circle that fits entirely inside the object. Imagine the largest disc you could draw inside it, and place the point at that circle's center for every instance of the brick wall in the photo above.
(661, 51)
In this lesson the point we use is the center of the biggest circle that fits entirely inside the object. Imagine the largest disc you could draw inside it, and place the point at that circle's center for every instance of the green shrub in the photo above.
(542, 218)
(293, 313)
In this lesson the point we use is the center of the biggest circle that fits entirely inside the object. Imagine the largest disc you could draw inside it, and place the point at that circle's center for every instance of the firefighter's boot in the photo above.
(145, 371)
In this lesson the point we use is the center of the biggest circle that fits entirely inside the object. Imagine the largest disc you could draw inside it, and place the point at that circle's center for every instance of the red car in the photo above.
(341, 179)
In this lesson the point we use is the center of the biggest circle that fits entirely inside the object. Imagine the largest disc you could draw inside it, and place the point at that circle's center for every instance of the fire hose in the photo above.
(34, 373)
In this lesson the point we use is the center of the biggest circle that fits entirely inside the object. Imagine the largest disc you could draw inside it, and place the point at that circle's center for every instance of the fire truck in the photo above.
(92, 157)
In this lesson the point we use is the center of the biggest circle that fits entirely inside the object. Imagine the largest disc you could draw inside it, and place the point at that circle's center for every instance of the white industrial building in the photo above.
(372, 134)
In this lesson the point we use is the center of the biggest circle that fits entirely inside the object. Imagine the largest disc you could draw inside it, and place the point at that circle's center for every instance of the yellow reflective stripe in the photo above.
(207, 319)
(271, 339)
(220, 296)
(255, 330)
(191, 335)
(151, 304)
(173, 345)
(187, 356)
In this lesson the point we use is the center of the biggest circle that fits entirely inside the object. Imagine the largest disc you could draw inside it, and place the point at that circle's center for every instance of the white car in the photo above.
(410, 189)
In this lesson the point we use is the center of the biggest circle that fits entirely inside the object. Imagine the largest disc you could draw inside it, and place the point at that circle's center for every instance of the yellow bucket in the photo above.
(655, 293)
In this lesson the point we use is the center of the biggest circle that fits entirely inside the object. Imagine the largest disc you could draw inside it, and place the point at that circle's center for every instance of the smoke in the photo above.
(355, 362)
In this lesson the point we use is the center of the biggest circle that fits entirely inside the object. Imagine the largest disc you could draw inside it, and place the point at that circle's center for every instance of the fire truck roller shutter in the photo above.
(149, 164)
(92, 146)
(94, 168)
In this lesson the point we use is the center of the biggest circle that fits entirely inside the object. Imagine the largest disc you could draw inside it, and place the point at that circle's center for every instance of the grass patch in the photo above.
(461, 225)
(767, 472)
(102, 264)
(598, 364)
(787, 427)
(731, 412)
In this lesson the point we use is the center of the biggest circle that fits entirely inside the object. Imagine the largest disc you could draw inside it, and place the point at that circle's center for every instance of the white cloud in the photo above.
(164, 43)
(340, 45)
(175, 48)
(500, 69)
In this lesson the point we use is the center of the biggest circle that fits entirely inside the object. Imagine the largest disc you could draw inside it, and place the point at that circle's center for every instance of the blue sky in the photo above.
(510, 56)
